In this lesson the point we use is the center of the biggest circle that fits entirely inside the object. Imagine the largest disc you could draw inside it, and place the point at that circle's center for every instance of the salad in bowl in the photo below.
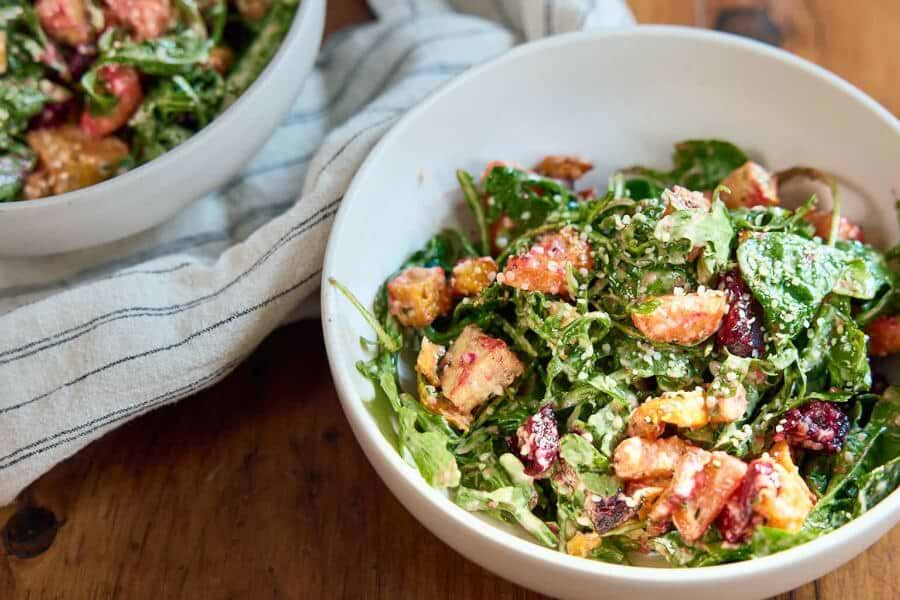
(93, 88)
(677, 367)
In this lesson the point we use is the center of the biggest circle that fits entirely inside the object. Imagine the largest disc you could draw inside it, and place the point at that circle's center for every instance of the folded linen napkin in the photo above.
(94, 338)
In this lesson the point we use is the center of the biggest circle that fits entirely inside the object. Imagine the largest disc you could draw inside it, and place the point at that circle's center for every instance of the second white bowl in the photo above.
(153, 192)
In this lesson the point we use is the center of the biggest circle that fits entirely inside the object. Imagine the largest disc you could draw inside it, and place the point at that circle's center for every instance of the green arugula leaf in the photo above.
(836, 347)
(591, 466)
(442, 250)
(698, 165)
(167, 55)
(607, 425)
(20, 100)
(866, 271)
(194, 97)
(514, 501)
(271, 31)
(429, 451)
(473, 201)
(642, 359)
(711, 231)
(703, 164)
(876, 485)
(13, 169)
(775, 218)
(523, 197)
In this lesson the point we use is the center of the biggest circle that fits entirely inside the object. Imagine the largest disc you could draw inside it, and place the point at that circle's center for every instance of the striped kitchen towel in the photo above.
(95, 338)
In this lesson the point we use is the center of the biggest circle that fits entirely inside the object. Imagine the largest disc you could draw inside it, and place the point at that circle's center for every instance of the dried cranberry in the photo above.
(538, 441)
(741, 330)
(609, 512)
(53, 114)
(736, 521)
(817, 426)
(82, 59)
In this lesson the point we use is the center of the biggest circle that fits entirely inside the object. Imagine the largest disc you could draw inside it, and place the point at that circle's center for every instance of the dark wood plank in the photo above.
(668, 12)
(858, 41)
(254, 488)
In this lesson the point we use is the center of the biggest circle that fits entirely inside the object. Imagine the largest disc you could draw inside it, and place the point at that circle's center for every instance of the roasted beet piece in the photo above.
(817, 426)
(741, 330)
(81, 60)
(737, 519)
(54, 114)
(537, 441)
(884, 336)
(124, 83)
(609, 512)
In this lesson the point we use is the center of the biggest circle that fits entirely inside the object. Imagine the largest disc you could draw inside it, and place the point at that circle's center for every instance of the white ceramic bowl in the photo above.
(618, 98)
(153, 192)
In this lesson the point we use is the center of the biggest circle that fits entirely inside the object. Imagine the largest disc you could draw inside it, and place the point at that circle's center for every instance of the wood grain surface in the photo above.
(256, 488)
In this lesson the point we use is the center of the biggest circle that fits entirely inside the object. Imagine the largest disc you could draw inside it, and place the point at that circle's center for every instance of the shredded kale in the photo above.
(586, 365)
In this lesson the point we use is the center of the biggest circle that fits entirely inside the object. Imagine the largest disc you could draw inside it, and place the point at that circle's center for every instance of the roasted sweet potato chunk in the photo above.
(471, 275)
(567, 168)
(427, 361)
(428, 366)
(750, 185)
(683, 484)
(581, 544)
(884, 335)
(682, 409)
(737, 519)
(727, 406)
(477, 367)
(543, 267)
(687, 409)
(221, 59)
(431, 398)
(679, 198)
(147, 19)
(70, 160)
(714, 485)
(822, 219)
(65, 20)
(418, 296)
(638, 458)
(787, 506)
(685, 319)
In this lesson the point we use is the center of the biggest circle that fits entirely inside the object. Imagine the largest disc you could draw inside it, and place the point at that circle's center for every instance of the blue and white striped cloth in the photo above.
(95, 338)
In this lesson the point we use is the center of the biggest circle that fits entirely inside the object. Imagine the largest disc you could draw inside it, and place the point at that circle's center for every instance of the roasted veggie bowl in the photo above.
(683, 367)
(93, 88)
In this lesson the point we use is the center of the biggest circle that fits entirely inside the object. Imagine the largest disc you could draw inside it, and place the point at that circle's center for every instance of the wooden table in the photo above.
(256, 488)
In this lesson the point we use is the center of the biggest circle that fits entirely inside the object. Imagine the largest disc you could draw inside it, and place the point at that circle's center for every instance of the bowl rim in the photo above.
(171, 157)
(373, 440)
